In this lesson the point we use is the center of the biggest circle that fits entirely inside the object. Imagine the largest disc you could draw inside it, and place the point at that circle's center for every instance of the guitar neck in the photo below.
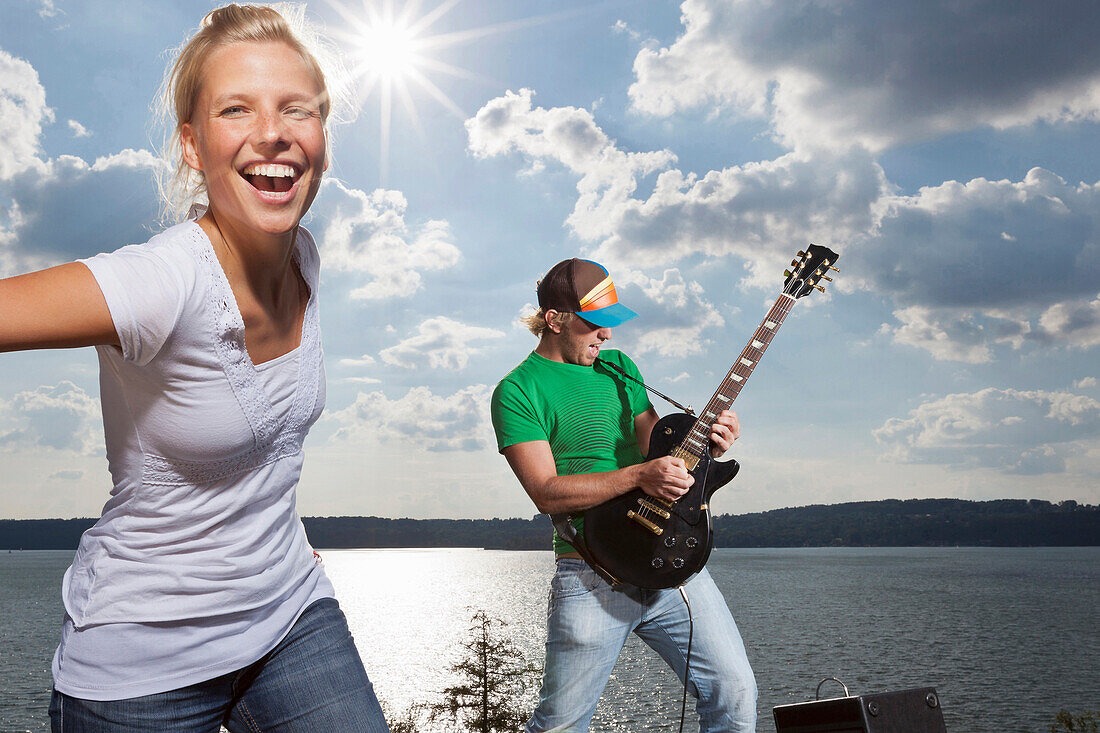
(697, 441)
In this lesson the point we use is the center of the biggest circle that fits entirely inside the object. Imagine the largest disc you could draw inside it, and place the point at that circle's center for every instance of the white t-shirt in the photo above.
(200, 564)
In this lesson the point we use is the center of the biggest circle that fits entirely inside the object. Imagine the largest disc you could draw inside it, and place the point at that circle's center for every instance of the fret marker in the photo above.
(746, 362)
(770, 325)
(723, 397)
(758, 345)
(737, 377)
(708, 415)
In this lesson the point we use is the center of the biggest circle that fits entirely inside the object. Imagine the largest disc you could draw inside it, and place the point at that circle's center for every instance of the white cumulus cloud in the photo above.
(753, 211)
(1014, 431)
(877, 72)
(61, 417)
(439, 423)
(23, 111)
(440, 343)
(367, 234)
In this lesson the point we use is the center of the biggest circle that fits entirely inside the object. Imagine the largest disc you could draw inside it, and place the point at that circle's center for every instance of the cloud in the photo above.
(48, 10)
(873, 72)
(23, 111)
(62, 417)
(459, 422)
(78, 129)
(754, 211)
(441, 343)
(956, 336)
(983, 263)
(1085, 383)
(366, 233)
(64, 208)
(944, 246)
(681, 314)
(1076, 323)
(1020, 432)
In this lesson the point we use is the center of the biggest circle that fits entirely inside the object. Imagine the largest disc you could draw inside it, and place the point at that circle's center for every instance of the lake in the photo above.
(1007, 636)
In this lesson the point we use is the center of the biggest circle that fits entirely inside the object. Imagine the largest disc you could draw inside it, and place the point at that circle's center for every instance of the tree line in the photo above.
(885, 523)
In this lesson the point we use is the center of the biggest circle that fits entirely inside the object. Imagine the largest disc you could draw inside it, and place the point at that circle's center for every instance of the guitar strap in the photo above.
(663, 396)
(564, 524)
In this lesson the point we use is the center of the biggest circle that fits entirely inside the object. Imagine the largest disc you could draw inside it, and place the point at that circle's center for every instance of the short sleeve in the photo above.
(639, 398)
(145, 289)
(515, 419)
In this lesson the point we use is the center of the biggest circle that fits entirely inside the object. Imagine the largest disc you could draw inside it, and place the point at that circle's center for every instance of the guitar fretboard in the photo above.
(697, 441)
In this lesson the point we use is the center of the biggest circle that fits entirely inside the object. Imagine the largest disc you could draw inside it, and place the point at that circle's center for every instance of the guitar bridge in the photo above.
(648, 506)
(644, 522)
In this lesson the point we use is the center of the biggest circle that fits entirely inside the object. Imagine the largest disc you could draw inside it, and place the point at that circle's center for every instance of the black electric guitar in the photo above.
(651, 543)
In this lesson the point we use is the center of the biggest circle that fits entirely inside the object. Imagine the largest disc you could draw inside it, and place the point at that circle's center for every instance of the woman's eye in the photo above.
(300, 113)
(231, 111)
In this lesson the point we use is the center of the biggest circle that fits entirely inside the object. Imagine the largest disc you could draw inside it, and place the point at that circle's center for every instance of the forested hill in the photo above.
(915, 522)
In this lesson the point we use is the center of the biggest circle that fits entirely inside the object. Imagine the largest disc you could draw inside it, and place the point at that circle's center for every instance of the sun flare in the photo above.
(393, 52)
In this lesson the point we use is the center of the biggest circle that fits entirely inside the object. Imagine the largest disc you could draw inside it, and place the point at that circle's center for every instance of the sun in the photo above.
(391, 53)
(387, 51)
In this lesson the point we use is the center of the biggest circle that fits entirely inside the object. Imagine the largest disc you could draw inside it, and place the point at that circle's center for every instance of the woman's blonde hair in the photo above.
(180, 185)
(536, 322)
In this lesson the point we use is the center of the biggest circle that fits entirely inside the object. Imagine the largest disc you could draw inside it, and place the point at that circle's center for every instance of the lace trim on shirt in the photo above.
(272, 440)
(161, 471)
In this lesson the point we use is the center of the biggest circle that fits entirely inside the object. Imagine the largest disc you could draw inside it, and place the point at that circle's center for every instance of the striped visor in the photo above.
(599, 301)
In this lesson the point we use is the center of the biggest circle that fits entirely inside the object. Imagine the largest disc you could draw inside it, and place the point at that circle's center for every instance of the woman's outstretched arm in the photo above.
(61, 307)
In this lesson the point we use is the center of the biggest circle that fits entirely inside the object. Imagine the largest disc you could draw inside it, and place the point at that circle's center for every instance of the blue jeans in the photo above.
(312, 681)
(588, 622)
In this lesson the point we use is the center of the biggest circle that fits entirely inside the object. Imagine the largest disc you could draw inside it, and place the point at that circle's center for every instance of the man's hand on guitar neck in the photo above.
(726, 429)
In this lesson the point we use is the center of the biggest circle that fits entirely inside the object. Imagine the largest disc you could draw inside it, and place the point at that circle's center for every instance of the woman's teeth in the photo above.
(270, 177)
(271, 170)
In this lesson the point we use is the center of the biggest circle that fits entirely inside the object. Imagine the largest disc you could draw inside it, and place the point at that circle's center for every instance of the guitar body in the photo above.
(673, 549)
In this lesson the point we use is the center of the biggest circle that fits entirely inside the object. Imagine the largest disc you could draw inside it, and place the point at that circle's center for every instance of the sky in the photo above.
(947, 150)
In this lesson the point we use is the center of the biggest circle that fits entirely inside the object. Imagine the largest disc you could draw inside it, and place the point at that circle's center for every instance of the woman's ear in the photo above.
(189, 147)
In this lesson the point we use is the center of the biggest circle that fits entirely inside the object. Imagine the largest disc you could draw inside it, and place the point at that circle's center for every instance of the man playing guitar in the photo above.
(575, 433)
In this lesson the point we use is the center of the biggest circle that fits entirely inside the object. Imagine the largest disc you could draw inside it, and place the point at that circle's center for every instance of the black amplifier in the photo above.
(916, 710)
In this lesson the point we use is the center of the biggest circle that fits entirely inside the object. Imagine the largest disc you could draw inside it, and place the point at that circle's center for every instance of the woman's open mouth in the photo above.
(271, 178)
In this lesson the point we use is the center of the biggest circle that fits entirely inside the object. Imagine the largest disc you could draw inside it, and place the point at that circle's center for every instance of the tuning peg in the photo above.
(834, 269)
(786, 273)
(795, 263)
(820, 287)
(801, 253)
(826, 278)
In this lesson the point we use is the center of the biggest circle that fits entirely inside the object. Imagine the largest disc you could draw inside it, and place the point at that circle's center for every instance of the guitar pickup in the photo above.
(645, 522)
(650, 506)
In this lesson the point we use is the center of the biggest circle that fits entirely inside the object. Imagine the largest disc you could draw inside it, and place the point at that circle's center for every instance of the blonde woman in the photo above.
(196, 601)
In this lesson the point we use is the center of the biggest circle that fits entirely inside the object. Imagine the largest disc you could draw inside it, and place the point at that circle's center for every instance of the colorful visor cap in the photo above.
(600, 306)
(585, 288)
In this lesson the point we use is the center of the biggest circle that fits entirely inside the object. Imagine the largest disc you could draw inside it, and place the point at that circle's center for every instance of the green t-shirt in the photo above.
(586, 414)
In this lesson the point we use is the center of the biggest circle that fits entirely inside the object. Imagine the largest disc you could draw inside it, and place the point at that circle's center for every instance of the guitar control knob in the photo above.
(658, 563)
(677, 562)
(670, 541)
(691, 541)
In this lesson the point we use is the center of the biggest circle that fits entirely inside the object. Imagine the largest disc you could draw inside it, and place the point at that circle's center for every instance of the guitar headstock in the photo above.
(807, 269)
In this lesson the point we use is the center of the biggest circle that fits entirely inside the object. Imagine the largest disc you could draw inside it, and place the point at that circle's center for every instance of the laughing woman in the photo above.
(195, 601)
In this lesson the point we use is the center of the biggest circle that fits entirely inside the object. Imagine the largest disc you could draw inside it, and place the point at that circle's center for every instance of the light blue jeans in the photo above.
(312, 681)
(588, 622)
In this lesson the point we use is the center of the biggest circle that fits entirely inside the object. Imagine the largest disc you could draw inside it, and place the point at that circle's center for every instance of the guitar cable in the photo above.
(683, 593)
(687, 662)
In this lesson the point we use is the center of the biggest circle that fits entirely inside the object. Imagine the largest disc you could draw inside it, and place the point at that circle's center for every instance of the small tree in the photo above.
(494, 677)
(1065, 722)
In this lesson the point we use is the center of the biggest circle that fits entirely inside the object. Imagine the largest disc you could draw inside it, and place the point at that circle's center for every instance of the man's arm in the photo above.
(533, 464)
